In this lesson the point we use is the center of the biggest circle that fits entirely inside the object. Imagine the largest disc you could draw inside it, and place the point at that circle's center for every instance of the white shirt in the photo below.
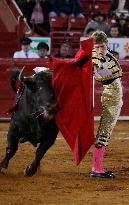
(22, 54)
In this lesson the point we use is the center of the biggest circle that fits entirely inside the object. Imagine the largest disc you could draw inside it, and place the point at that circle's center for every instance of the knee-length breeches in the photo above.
(111, 100)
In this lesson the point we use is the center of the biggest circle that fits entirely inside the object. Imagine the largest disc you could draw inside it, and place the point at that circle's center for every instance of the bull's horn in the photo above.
(20, 77)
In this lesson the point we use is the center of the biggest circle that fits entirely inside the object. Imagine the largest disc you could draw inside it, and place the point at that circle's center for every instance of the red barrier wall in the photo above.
(7, 95)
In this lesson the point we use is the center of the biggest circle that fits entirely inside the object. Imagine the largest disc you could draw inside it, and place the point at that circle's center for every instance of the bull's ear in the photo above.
(30, 83)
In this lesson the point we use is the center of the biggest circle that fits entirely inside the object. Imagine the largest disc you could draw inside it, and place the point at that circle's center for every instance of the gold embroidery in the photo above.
(110, 63)
(111, 101)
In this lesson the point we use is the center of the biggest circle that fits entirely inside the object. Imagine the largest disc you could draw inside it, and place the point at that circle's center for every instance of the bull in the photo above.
(32, 119)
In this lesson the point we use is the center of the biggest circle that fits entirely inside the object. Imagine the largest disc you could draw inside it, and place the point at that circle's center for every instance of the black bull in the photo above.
(33, 118)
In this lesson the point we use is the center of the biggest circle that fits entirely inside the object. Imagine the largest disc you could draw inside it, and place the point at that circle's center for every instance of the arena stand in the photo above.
(7, 95)
(13, 27)
(89, 6)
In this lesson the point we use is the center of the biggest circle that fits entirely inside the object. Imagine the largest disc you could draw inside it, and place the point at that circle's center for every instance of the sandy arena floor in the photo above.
(60, 182)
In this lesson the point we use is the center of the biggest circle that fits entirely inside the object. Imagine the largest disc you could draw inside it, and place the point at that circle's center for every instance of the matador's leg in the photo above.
(111, 106)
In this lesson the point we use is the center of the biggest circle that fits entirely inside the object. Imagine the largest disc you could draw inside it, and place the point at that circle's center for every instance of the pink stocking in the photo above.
(97, 162)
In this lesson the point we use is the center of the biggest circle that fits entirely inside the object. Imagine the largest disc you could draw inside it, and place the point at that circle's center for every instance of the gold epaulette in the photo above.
(112, 64)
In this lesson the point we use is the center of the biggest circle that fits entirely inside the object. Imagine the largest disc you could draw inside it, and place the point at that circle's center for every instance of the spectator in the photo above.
(43, 49)
(37, 13)
(123, 25)
(98, 22)
(65, 51)
(114, 31)
(67, 8)
(119, 6)
(90, 31)
(25, 51)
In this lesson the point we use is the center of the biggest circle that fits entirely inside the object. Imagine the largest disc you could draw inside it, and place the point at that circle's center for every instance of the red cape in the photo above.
(72, 82)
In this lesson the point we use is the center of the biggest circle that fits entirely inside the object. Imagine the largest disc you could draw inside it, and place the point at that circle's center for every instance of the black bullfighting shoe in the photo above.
(105, 175)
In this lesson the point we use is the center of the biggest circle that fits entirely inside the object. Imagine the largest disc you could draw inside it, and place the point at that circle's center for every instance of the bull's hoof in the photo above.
(30, 171)
(3, 166)
(3, 170)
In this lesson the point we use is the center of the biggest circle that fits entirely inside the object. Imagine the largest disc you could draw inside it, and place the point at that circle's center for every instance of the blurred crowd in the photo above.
(38, 12)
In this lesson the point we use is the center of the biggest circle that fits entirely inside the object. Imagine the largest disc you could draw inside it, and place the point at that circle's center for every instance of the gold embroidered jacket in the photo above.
(107, 68)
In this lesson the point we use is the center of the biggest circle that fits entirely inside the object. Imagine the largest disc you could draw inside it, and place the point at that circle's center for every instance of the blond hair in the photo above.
(99, 37)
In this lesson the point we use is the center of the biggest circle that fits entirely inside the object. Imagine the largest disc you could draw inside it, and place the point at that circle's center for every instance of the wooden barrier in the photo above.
(7, 95)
